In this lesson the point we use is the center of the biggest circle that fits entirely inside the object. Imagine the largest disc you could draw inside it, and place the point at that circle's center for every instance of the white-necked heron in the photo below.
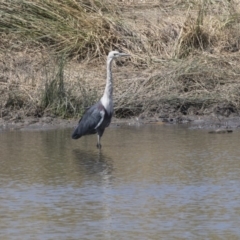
(98, 117)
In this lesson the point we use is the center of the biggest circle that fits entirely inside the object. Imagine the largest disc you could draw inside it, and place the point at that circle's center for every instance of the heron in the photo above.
(98, 117)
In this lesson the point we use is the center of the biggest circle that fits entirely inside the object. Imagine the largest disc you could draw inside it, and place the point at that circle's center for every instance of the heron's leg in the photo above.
(98, 142)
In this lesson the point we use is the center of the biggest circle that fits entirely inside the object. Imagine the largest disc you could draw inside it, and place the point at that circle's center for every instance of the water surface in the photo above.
(148, 182)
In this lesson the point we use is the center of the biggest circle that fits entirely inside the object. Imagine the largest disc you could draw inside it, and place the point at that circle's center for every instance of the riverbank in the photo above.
(209, 123)
(184, 63)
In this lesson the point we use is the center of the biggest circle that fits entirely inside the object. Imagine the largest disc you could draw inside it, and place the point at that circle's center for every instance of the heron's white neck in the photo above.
(106, 99)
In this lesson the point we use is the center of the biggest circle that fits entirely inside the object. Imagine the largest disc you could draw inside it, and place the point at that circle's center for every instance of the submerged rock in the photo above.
(221, 131)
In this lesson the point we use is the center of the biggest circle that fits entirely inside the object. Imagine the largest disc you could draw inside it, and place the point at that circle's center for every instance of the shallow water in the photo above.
(148, 182)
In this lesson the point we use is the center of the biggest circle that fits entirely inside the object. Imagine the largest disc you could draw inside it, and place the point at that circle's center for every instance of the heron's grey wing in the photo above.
(91, 119)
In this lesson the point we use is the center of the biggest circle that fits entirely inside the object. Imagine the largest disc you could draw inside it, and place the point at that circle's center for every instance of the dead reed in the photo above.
(184, 56)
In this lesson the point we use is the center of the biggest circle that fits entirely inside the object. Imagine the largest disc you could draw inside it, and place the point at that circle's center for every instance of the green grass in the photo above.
(67, 27)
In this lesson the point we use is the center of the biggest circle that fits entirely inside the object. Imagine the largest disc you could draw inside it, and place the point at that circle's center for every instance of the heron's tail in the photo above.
(76, 134)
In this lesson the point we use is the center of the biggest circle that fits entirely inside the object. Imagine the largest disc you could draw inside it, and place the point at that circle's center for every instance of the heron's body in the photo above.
(99, 116)
(94, 120)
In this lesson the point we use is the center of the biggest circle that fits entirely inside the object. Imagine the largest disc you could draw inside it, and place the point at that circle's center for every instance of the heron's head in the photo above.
(116, 54)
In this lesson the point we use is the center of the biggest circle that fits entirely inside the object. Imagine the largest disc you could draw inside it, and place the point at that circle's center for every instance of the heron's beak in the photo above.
(124, 55)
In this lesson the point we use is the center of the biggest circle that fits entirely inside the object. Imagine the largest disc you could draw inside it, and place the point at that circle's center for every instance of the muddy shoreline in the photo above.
(212, 124)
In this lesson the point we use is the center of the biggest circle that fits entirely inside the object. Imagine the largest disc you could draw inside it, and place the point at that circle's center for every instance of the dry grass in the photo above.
(185, 56)
(187, 87)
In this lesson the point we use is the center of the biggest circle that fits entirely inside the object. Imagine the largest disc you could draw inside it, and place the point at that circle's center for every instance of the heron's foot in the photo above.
(99, 146)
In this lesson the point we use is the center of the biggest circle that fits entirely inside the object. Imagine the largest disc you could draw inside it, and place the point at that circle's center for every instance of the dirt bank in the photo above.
(210, 123)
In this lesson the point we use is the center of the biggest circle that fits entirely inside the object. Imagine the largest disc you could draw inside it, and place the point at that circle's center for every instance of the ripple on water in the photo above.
(147, 182)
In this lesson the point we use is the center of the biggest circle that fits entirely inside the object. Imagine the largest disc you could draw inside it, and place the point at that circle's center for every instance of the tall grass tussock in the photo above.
(184, 56)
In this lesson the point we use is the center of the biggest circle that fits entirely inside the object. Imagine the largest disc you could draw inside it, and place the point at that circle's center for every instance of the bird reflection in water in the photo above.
(93, 162)
(97, 171)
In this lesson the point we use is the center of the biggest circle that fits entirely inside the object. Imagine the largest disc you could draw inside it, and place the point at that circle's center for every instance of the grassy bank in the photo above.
(184, 57)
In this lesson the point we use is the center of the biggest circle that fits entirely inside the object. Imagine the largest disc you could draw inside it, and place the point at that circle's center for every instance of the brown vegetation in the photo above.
(184, 56)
